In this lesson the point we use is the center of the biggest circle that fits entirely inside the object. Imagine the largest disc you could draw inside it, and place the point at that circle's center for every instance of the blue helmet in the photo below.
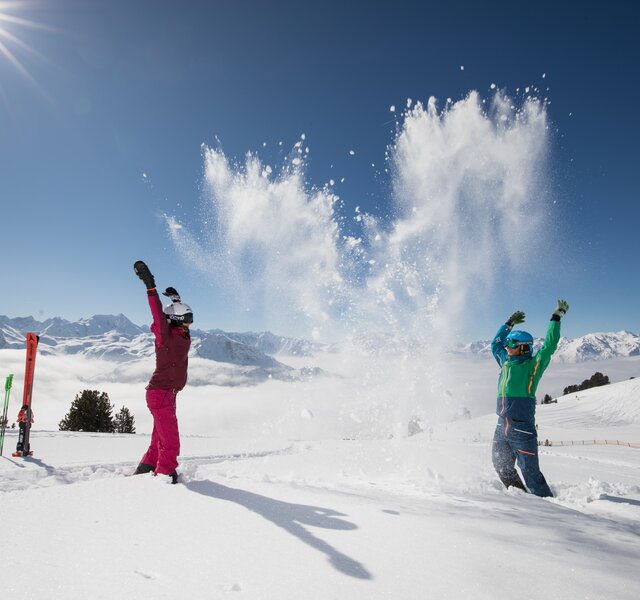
(519, 338)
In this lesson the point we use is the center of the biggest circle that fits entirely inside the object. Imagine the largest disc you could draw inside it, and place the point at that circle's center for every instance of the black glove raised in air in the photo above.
(142, 271)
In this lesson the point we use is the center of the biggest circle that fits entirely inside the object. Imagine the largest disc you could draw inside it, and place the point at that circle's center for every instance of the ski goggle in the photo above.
(187, 318)
(516, 343)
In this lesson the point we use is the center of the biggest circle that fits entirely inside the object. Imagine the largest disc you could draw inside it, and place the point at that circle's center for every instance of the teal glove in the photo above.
(561, 309)
(516, 318)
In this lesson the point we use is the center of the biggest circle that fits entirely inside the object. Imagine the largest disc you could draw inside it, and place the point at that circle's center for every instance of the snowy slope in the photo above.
(265, 517)
(616, 405)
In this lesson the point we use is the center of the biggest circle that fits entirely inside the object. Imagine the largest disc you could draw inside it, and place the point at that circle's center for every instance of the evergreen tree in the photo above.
(90, 411)
(596, 380)
(124, 421)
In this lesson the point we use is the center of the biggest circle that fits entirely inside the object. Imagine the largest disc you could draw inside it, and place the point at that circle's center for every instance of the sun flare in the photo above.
(13, 31)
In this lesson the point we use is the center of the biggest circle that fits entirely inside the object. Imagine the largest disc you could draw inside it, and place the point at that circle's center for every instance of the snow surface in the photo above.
(262, 516)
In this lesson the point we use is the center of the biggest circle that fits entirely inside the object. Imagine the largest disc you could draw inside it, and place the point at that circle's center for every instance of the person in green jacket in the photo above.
(515, 439)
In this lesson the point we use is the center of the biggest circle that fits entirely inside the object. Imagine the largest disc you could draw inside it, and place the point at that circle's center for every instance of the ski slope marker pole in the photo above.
(7, 391)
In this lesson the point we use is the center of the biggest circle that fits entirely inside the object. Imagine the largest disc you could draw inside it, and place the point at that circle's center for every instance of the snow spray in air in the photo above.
(465, 179)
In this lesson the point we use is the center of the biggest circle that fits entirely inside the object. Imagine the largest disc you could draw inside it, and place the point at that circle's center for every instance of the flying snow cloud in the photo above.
(465, 178)
(272, 244)
(465, 184)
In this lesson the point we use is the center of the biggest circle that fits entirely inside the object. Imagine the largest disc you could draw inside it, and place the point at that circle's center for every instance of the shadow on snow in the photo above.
(292, 518)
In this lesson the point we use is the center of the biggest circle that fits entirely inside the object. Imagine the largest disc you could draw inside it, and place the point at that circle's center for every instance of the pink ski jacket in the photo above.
(172, 350)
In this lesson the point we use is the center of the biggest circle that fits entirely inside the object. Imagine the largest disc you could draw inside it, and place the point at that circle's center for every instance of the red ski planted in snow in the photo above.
(25, 416)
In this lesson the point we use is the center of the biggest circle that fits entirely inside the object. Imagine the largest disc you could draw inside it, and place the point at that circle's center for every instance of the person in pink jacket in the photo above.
(171, 329)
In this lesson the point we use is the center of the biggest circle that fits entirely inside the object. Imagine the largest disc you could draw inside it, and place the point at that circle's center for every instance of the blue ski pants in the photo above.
(517, 442)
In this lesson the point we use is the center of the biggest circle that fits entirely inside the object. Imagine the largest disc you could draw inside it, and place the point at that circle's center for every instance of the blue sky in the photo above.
(131, 88)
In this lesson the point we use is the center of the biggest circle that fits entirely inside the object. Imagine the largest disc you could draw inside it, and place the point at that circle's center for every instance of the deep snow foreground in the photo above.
(422, 517)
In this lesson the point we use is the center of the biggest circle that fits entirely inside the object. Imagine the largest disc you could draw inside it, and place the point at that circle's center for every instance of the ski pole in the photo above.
(7, 390)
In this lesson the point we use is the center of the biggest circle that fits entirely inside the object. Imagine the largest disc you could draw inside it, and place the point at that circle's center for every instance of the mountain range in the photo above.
(589, 347)
(116, 338)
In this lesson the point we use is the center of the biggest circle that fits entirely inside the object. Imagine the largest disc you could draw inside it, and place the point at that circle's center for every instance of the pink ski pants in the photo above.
(165, 440)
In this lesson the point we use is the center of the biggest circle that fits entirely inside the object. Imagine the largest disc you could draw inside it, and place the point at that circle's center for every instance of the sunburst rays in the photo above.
(14, 48)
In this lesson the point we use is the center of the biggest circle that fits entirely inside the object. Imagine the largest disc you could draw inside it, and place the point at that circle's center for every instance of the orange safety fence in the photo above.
(588, 443)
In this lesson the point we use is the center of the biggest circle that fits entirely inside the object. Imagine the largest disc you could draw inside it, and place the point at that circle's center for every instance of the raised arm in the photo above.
(543, 357)
(159, 327)
(498, 343)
